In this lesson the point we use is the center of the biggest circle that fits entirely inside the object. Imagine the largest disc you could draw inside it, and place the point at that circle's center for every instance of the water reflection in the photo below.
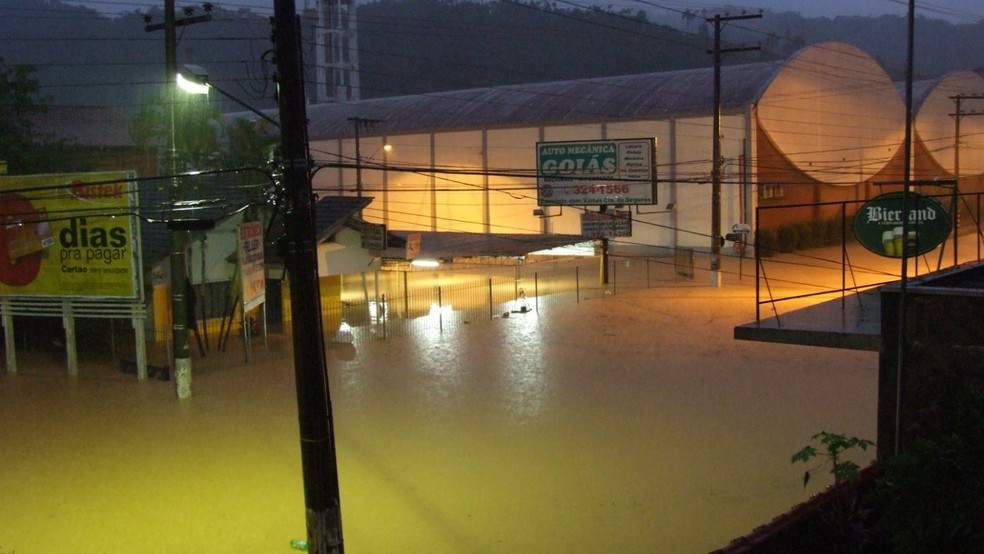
(525, 376)
(497, 363)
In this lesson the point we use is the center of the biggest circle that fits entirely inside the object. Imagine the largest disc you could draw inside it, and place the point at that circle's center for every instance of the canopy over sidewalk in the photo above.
(852, 322)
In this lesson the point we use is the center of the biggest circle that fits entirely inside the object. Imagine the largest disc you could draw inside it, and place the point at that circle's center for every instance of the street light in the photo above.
(178, 238)
(194, 79)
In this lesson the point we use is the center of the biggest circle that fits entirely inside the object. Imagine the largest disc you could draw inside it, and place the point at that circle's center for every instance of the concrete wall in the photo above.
(944, 349)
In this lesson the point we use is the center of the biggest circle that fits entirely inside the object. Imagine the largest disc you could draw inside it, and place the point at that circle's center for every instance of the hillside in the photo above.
(414, 46)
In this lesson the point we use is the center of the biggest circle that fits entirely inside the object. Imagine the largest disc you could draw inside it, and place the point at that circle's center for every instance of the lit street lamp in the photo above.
(178, 237)
(194, 79)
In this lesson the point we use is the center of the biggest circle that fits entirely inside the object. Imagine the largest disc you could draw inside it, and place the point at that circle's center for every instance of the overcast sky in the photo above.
(958, 11)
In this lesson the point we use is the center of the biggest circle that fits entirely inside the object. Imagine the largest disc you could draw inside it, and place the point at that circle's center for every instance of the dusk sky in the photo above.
(957, 11)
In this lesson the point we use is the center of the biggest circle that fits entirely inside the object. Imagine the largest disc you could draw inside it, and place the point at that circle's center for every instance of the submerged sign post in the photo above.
(878, 225)
(596, 172)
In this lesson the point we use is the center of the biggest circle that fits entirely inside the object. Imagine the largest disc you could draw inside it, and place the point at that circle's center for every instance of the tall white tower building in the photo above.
(337, 52)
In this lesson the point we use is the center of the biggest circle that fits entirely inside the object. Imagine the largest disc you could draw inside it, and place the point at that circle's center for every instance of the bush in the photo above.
(801, 236)
(806, 238)
(767, 243)
(832, 230)
(932, 494)
(787, 239)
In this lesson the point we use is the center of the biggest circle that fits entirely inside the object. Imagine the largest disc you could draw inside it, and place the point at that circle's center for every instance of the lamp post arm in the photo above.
(245, 105)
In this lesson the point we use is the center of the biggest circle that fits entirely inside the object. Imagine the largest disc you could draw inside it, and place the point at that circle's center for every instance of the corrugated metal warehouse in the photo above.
(826, 124)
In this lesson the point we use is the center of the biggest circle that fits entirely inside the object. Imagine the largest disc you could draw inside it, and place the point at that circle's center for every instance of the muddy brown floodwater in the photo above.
(630, 423)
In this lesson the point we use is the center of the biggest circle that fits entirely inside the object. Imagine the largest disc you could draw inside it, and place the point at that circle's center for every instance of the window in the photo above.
(770, 192)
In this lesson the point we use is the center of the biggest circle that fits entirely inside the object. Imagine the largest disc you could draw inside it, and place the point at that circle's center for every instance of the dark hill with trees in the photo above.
(412, 46)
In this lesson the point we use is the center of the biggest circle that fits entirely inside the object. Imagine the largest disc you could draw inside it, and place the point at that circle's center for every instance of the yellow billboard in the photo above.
(69, 235)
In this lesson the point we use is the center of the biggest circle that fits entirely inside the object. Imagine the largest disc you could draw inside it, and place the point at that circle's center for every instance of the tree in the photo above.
(20, 101)
(249, 144)
(204, 140)
(196, 127)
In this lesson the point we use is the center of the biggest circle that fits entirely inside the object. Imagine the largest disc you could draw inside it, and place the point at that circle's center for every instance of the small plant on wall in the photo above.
(832, 449)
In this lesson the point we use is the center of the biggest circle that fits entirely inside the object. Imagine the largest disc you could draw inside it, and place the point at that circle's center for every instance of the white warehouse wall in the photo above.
(488, 183)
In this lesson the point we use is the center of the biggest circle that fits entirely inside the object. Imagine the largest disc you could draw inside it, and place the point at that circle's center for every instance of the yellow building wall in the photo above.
(331, 303)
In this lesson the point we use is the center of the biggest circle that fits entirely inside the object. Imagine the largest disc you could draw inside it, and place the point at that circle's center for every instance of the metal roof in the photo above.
(624, 97)
(331, 213)
(207, 198)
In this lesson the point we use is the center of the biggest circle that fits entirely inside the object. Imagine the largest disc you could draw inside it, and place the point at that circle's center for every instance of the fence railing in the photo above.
(837, 263)
(395, 303)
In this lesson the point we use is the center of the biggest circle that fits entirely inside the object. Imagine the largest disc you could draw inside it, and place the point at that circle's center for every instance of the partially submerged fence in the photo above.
(396, 303)
(838, 265)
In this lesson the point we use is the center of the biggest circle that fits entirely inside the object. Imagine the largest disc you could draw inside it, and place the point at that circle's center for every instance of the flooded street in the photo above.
(624, 423)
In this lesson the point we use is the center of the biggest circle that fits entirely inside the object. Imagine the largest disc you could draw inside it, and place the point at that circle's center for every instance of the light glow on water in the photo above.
(623, 424)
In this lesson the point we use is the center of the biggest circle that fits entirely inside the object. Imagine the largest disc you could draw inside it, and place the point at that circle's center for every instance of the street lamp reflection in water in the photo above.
(378, 311)
(439, 312)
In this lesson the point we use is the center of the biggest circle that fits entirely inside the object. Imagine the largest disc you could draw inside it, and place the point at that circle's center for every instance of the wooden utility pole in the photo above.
(318, 461)
(716, 239)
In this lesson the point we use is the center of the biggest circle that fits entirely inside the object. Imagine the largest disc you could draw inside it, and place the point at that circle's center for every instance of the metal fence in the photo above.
(824, 242)
(391, 303)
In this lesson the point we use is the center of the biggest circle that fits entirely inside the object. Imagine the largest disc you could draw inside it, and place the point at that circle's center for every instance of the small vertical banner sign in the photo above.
(251, 264)
(878, 225)
(413, 246)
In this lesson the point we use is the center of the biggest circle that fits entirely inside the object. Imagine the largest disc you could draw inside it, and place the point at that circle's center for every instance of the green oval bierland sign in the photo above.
(878, 225)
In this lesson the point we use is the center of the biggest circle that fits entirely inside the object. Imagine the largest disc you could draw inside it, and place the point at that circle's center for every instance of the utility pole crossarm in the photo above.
(179, 22)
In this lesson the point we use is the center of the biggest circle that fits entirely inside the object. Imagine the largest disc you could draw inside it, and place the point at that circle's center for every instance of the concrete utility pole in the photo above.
(178, 238)
(716, 238)
(320, 469)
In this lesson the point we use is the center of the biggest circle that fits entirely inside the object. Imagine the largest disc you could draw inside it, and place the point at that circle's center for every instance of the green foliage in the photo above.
(517, 42)
(805, 236)
(203, 139)
(195, 130)
(768, 244)
(845, 517)
(833, 230)
(808, 234)
(248, 143)
(787, 239)
(833, 447)
(931, 495)
(20, 100)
